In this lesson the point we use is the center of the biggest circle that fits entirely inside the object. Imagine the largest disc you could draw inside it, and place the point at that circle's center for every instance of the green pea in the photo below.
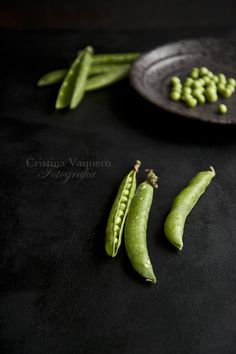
(201, 81)
(210, 75)
(227, 93)
(197, 84)
(186, 90)
(222, 78)
(232, 82)
(175, 80)
(207, 80)
(175, 96)
(191, 102)
(197, 92)
(183, 204)
(119, 211)
(136, 228)
(203, 71)
(201, 99)
(195, 73)
(230, 87)
(220, 87)
(216, 79)
(211, 95)
(188, 82)
(222, 109)
(177, 88)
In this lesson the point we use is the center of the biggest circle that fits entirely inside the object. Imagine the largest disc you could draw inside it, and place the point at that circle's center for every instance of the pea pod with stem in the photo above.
(119, 211)
(183, 204)
(136, 228)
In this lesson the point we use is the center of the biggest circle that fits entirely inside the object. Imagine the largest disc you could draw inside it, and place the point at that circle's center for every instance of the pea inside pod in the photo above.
(183, 204)
(119, 211)
(136, 228)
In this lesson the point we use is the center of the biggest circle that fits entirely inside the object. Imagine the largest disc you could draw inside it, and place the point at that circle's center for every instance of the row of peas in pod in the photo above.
(130, 213)
(202, 86)
(88, 72)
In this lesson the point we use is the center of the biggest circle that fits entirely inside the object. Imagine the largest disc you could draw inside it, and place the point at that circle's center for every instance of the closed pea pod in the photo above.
(183, 204)
(67, 87)
(136, 227)
(80, 83)
(119, 211)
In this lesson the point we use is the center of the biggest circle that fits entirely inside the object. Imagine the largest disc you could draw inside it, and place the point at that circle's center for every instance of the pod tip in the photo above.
(213, 170)
(137, 165)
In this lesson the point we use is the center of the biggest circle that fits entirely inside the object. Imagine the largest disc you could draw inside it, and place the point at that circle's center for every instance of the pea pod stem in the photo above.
(119, 211)
(136, 228)
(183, 204)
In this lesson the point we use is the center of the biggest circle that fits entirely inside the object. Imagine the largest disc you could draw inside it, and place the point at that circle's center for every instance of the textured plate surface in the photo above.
(150, 74)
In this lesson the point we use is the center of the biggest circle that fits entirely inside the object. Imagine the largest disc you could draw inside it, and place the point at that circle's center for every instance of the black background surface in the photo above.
(116, 14)
(59, 292)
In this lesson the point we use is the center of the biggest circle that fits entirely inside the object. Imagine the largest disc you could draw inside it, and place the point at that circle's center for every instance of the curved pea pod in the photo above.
(119, 211)
(136, 228)
(183, 204)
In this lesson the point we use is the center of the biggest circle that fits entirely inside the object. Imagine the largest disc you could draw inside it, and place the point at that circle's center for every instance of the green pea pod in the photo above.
(67, 87)
(136, 228)
(56, 76)
(53, 77)
(80, 84)
(119, 211)
(108, 78)
(183, 204)
(115, 58)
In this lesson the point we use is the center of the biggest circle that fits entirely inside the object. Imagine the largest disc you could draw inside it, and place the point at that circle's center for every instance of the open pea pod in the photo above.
(119, 211)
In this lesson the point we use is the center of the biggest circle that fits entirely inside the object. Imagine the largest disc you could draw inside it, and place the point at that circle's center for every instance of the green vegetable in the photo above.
(175, 96)
(67, 87)
(195, 73)
(211, 94)
(108, 78)
(125, 58)
(119, 211)
(191, 101)
(232, 82)
(203, 71)
(83, 73)
(175, 80)
(222, 109)
(188, 82)
(52, 77)
(136, 227)
(182, 206)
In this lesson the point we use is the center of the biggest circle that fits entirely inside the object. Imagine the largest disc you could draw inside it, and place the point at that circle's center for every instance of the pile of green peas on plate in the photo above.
(202, 86)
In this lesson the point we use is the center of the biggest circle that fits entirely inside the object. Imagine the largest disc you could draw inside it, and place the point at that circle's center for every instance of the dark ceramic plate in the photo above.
(150, 75)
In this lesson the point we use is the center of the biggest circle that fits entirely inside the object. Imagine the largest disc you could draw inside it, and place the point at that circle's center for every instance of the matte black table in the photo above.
(60, 293)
